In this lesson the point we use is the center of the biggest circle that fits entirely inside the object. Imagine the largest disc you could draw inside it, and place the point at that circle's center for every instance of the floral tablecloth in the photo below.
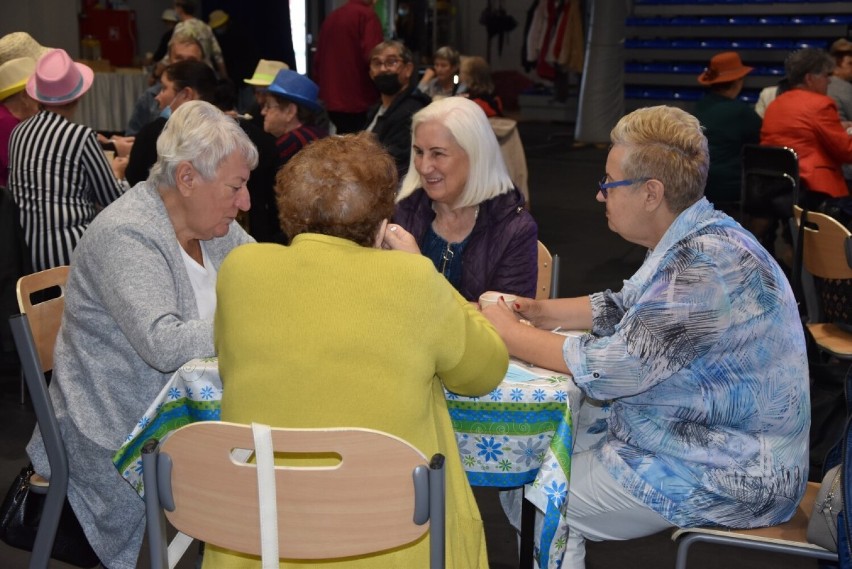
(519, 434)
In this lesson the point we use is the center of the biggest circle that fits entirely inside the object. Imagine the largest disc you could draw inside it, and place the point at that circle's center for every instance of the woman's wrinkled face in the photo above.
(214, 204)
(444, 71)
(443, 165)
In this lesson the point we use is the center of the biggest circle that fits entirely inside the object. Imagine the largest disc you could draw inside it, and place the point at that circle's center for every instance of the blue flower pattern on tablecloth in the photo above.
(561, 396)
(557, 493)
(539, 395)
(207, 392)
(496, 395)
(489, 449)
(517, 394)
(174, 393)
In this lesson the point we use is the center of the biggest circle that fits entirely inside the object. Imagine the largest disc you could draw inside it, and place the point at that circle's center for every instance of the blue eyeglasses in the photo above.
(604, 186)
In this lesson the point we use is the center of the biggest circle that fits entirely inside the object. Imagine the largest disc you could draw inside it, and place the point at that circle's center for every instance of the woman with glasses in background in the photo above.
(700, 357)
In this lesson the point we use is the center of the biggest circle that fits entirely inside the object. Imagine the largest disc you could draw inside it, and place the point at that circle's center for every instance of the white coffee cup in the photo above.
(491, 297)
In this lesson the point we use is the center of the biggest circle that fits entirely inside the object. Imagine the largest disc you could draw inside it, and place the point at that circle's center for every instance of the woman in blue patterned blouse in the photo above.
(701, 356)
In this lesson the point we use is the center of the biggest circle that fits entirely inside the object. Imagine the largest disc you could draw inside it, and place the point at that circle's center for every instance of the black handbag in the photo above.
(19, 519)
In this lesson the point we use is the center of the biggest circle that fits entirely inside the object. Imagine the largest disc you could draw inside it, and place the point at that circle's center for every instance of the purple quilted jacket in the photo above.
(502, 253)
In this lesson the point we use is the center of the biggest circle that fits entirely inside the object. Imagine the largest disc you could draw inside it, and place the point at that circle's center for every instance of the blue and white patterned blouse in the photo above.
(703, 356)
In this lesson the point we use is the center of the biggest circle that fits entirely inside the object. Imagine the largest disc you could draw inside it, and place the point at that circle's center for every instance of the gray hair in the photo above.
(666, 144)
(448, 54)
(404, 53)
(468, 125)
(804, 61)
(199, 133)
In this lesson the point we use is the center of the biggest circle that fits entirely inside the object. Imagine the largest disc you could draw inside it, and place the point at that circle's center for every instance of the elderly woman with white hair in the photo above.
(460, 206)
(139, 303)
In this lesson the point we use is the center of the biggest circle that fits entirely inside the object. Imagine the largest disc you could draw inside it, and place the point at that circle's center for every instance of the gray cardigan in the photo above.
(130, 321)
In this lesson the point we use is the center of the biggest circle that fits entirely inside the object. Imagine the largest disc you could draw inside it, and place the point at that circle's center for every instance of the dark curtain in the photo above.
(267, 20)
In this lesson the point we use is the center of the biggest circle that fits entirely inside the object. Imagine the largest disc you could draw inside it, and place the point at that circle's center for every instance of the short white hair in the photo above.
(199, 133)
(470, 128)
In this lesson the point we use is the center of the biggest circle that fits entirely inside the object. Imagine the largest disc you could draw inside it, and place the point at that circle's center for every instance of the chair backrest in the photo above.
(824, 247)
(363, 504)
(548, 274)
(44, 317)
(769, 173)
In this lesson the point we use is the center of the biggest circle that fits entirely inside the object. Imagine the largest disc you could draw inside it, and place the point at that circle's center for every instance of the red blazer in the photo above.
(808, 123)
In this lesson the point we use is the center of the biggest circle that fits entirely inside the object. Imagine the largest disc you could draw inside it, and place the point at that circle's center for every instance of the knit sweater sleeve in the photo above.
(142, 285)
(483, 359)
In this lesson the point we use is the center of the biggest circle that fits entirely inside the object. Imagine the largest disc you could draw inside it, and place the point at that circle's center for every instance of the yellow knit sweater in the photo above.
(326, 333)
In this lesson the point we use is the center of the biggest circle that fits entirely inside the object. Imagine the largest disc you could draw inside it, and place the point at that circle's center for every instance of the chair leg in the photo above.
(23, 388)
(527, 550)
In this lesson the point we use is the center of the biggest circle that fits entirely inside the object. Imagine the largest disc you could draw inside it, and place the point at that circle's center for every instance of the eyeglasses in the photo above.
(270, 106)
(604, 186)
(390, 63)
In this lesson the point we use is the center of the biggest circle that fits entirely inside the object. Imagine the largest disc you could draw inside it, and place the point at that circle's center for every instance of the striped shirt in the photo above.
(58, 174)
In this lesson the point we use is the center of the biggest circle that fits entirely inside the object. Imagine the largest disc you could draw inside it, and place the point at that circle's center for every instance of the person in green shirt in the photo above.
(728, 123)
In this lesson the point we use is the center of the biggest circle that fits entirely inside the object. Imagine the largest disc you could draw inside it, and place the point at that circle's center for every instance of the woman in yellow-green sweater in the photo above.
(333, 331)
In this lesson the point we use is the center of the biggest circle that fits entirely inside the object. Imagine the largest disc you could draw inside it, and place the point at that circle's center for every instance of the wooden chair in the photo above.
(548, 274)
(45, 316)
(34, 332)
(824, 256)
(367, 503)
(789, 537)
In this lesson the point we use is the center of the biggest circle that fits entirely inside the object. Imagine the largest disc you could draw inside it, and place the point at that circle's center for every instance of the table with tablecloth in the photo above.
(519, 434)
(108, 104)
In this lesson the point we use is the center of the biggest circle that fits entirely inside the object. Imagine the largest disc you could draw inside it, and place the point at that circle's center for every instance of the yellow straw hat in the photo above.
(14, 75)
(265, 72)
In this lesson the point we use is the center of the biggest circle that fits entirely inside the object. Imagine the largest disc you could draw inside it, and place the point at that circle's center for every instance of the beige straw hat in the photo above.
(20, 44)
(265, 72)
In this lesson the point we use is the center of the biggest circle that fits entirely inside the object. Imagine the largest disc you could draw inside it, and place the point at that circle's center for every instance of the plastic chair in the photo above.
(54, 502)
(548, 274)
(789, 537)
(824, 255)
(34, 332)
(367, 503)
(769, 170)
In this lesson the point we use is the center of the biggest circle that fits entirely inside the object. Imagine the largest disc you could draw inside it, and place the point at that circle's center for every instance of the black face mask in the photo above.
(387, 83)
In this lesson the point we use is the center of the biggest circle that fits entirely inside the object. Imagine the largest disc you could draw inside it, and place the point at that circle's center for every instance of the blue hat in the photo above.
(295, 87)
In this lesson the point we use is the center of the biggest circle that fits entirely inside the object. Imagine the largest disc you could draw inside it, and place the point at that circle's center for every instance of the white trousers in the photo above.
(599, 509)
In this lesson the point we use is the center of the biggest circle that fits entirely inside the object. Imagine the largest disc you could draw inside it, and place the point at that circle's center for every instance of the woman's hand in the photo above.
(119, 165)
(529, 309)
(501, 316)
(123, 144)
(399, 239)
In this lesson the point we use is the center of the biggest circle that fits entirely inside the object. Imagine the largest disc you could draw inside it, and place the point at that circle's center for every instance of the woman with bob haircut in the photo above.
(371, 337)
(459, 203)
(139, 303)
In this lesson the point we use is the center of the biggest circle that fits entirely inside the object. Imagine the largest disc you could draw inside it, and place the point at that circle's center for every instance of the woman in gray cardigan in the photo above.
(139, 303)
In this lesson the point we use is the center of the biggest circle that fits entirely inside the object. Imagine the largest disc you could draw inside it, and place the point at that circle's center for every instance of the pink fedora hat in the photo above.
(58, 80)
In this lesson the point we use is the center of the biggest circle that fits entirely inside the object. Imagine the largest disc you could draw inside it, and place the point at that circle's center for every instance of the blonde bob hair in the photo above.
(666, 144)
(468, 125)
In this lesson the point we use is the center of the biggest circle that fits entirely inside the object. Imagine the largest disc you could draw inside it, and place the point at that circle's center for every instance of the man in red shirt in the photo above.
(341, 64)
